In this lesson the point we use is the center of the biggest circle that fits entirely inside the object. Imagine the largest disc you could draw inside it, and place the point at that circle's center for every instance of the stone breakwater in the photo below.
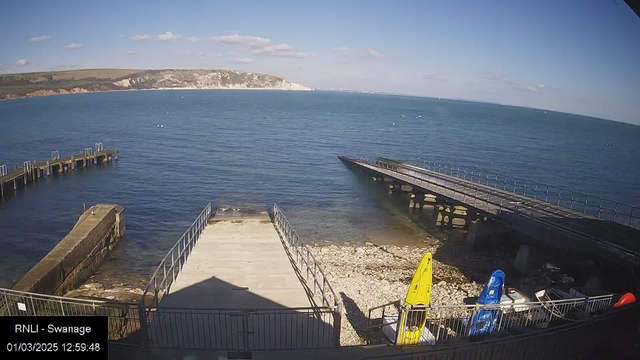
(367, 276)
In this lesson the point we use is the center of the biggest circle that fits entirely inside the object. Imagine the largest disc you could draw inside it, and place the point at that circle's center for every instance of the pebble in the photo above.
(366, 277)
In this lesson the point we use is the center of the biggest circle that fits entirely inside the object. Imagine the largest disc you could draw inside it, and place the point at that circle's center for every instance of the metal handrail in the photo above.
(305, 257)
(555, 343)
(453, 322)
(60, 298)
(589, 204)
(178, 255)
(123, 317)
(495, 202)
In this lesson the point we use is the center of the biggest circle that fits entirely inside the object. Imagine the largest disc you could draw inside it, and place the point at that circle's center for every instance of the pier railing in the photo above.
(310, 267)
(449, 323)
(124, 325)
(173, 261)
(523, 211)
(242, 329)
(610, 210)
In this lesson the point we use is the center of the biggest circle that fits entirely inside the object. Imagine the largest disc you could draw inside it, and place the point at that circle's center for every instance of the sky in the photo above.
(576, 56)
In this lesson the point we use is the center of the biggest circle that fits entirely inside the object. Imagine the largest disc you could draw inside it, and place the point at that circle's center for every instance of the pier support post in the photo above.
(526, 259)
(1, 188)
(417, 200)
(437, 215)
(116, 151)
(25, 176)
(15, 185)
(73, 163)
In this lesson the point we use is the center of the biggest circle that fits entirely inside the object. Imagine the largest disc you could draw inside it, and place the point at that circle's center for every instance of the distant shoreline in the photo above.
(85, 91)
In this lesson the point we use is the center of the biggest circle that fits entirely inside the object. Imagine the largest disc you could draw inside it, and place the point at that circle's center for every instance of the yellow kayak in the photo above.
(419, 294)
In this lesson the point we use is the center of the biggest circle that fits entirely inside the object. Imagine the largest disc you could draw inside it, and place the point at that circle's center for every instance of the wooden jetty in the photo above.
(594, 229)
(33, 170)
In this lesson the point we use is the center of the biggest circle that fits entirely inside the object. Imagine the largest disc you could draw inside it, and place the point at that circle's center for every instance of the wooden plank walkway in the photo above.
(26, 174)
(522, 212)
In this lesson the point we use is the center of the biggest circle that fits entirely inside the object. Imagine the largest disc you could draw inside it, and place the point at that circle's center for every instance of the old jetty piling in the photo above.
(34, 170)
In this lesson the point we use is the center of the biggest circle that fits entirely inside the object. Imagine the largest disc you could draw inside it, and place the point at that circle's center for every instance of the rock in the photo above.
(442, 283)
(368, 243)
(93, 286)
(567, 280)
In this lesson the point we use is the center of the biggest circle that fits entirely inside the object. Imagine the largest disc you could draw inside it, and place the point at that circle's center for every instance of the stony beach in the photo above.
(367, 276)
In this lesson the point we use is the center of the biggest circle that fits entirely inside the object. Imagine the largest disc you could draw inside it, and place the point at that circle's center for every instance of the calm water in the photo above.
(253, 148)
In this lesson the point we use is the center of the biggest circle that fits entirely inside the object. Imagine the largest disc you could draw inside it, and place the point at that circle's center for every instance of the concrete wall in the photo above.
(77, 255)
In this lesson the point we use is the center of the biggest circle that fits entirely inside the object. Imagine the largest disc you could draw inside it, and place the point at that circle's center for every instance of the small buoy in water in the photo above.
(158, 125)
(167, 113)
(419, 116)
(394, 124)
(181, 97)
(162, 125)
(402, 115)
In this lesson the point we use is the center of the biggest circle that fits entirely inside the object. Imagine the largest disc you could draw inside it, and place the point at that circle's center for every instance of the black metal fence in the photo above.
(124, 324)
(241, 329)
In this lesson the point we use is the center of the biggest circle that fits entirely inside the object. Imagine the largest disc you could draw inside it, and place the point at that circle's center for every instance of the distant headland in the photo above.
(14, 86)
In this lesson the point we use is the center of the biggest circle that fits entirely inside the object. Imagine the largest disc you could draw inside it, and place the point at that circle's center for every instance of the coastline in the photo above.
(84, 91)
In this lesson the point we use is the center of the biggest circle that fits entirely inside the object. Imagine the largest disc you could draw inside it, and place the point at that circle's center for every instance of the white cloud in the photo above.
(192, 39)
(242, 60)
(435, 77)
(284, 50)
(21, 62)
(366, 54)
(122, 36)
(499, 77)
(40, 38)
(204, 55)
(343, 50)
(241, 39)
(75, 46)
(132, 52)
(141, 37)
(168, 36)
(371, 54)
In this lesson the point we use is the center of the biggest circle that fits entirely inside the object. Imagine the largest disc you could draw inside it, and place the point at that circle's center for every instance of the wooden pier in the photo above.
(523, 210)
(33, 170)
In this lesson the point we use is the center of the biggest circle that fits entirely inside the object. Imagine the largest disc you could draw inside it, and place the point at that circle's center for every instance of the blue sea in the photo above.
(255, 148)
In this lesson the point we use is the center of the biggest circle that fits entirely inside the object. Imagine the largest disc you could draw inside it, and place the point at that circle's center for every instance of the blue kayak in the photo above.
(484, 321)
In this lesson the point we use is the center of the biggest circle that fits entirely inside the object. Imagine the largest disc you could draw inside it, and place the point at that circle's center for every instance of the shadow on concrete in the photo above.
(245, 322)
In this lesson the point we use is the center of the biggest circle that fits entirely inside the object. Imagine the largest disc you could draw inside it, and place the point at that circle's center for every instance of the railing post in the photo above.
(144, 326)
(337, 325)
